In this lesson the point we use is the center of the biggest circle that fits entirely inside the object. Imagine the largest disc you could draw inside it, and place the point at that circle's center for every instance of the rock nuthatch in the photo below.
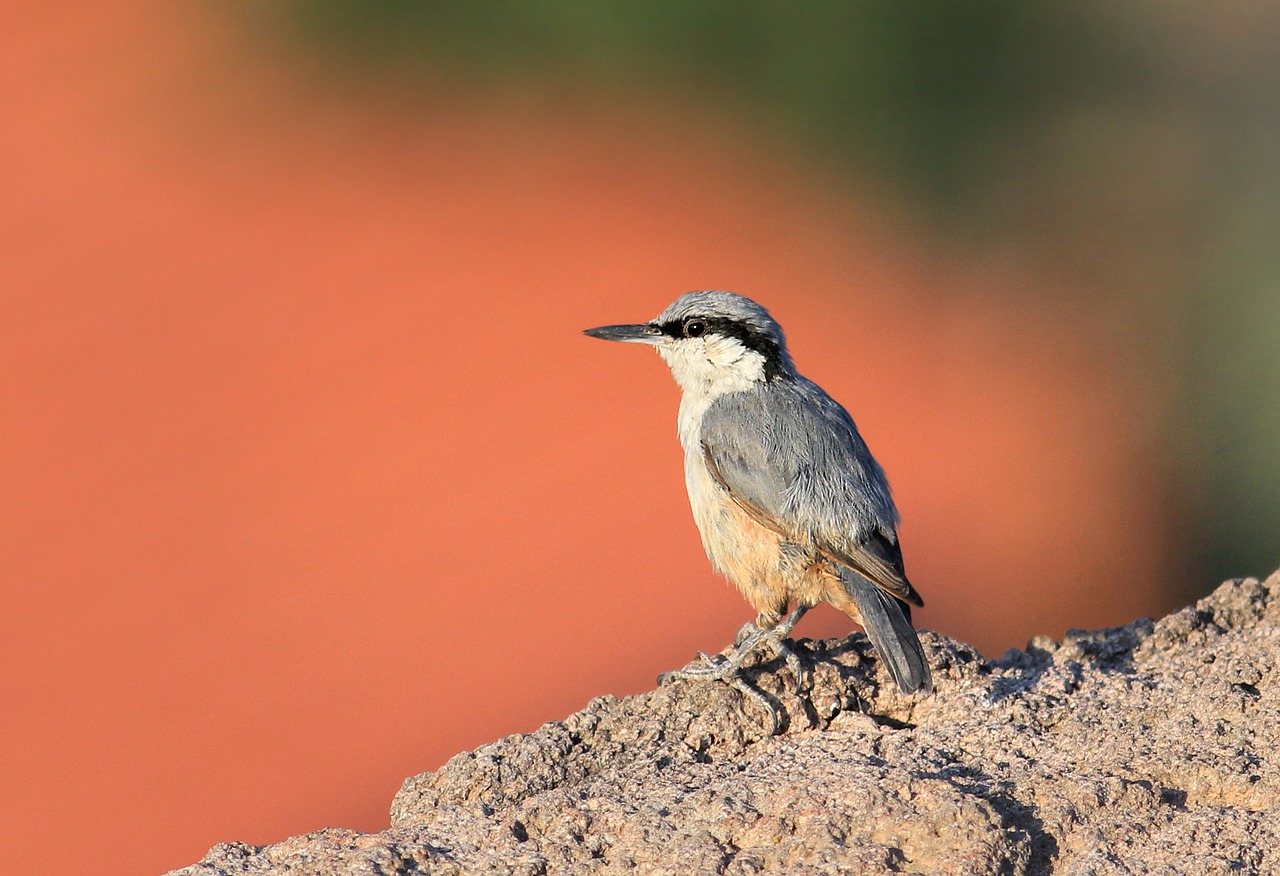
(791, 505)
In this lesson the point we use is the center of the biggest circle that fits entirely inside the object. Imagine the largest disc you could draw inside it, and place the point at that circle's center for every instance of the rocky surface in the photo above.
(1141, 749)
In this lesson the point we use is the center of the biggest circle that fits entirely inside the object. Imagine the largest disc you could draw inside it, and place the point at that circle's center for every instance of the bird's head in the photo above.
(714, 342)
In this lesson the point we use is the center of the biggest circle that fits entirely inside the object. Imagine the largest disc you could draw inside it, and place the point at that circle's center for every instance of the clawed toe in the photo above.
(762, 700)
(794, 663)
(704, 668)
(729, 669)
(730, 674)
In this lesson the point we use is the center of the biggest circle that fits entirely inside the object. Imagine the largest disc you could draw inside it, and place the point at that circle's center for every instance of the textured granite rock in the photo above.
(1139, 749)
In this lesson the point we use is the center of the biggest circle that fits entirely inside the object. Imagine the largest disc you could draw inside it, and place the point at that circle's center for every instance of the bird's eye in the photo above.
(694, 328)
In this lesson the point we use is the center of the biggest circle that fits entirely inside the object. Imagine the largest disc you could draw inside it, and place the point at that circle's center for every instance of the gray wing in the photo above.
(792, 458)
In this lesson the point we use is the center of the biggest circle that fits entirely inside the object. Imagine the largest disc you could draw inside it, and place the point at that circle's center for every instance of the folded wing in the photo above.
(798, 465)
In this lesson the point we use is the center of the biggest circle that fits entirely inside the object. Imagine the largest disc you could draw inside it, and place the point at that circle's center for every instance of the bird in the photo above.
(792, 507)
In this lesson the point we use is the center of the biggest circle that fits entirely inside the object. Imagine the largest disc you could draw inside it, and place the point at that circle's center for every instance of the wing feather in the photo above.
(792, 458)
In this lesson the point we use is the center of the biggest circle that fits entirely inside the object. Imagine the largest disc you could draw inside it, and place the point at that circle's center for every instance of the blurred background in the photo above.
(310, 480)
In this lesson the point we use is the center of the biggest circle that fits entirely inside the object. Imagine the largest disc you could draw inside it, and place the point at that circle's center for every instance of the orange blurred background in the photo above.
(310, 480)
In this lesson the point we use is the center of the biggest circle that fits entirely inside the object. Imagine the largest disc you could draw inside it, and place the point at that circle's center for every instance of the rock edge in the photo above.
(1146, 748)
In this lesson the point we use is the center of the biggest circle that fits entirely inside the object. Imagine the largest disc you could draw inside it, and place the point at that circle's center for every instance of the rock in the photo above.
(1140, 749)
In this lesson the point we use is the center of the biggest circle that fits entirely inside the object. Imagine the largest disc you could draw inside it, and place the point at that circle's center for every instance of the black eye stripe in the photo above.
(744, 334)
(730, 328)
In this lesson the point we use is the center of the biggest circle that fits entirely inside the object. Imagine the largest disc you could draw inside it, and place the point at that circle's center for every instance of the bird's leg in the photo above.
(777, 637)
(728, 669)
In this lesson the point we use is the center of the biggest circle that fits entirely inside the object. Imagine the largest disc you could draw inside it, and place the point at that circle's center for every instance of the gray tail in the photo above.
(889, 628)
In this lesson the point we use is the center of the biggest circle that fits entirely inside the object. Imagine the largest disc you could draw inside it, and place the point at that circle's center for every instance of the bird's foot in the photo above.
(752, 638)
(720, 667)
(705, 668)
(729, 668)
(789, 654)
(777, 638)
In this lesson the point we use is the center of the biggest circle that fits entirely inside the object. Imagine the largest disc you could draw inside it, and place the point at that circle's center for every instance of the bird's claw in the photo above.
(729, 669)
(705, 668)
(728, 672)
(792, 658)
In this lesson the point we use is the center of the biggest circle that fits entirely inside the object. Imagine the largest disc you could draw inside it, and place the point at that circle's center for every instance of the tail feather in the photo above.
(890, 630)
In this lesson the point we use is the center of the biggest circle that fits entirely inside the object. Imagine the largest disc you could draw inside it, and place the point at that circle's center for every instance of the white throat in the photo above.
(705, 371)
(714, 366)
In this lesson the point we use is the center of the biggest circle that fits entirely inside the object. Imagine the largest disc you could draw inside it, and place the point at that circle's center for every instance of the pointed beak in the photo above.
(632, 334)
